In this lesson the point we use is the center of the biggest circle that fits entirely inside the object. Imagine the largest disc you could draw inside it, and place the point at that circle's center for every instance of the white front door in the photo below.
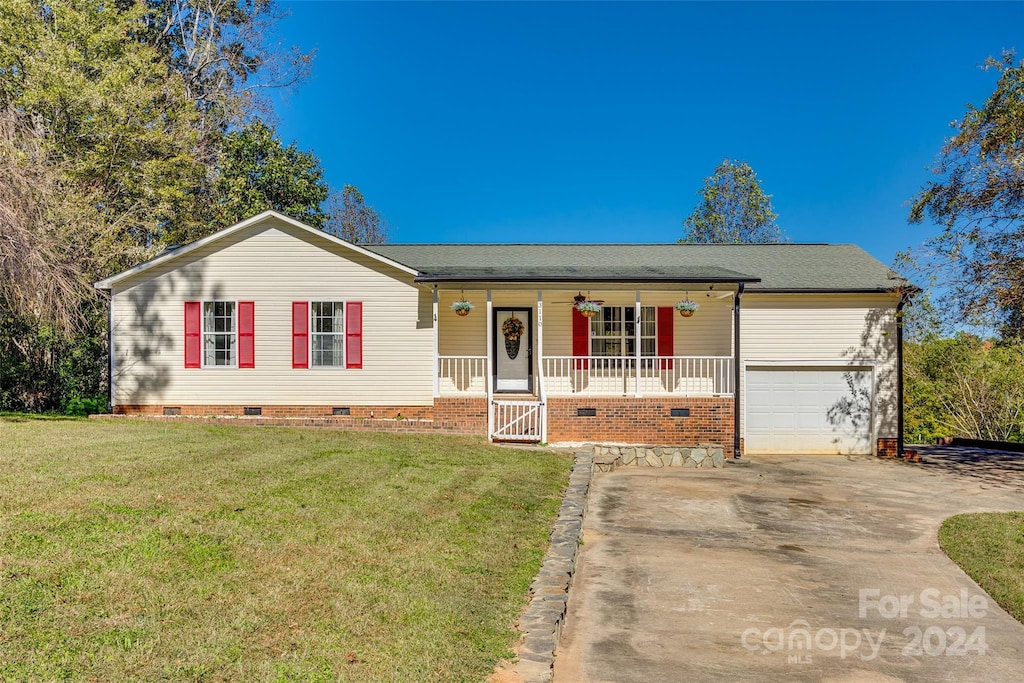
(513, 349)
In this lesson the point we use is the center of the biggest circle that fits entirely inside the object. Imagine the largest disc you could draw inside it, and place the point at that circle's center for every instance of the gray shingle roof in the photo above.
(779, 267)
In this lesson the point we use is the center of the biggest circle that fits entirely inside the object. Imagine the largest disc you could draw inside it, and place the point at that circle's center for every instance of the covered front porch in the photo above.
(532, 354)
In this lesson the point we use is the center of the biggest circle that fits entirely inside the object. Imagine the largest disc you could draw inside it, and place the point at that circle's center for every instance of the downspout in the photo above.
(736, 371)
(904, 299)
(110, 354)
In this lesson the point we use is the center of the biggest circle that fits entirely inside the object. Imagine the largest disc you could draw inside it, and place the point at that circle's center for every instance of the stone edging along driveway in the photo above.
(542, 621)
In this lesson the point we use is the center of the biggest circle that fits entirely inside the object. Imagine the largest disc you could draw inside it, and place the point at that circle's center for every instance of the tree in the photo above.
(965, 386)
(220, 48)
(733, 209)
(111, 115)
(113, 126)
(255, 172)
(978, 199)
(352, 220)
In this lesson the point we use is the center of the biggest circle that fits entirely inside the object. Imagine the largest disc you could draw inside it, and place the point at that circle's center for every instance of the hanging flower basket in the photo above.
(588, 309)
(462, 307)
(686, 307)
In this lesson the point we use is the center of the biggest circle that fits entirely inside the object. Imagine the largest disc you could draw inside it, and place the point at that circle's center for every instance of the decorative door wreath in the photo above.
(512, 330)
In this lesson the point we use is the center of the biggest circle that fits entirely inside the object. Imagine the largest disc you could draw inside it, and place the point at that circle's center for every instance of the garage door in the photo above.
(808, 410)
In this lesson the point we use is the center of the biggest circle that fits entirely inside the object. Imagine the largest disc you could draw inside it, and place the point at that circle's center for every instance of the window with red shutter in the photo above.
(580, 338)
(354, 334)
(666, 344)
(300, 334)
(246, 335)
(193, 334)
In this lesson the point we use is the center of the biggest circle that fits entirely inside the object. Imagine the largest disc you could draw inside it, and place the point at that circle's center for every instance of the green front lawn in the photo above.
(989, 547)
(172, 551)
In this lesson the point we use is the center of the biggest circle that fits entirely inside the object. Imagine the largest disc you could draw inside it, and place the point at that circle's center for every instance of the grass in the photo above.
(989, 547)
(170, 551)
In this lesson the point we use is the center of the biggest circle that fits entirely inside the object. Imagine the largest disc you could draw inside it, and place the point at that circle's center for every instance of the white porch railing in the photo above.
(624, 375)
(462, 375)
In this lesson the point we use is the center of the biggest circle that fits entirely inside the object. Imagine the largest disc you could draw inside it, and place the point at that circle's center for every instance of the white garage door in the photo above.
(808, 410)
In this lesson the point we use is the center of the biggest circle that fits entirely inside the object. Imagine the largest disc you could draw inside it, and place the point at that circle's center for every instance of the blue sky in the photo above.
(597, 122)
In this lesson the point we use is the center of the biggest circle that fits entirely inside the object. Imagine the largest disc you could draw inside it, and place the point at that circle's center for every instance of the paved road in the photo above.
(788, 568)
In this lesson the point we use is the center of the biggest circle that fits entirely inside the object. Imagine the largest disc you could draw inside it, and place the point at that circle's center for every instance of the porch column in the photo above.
(540, 343)
(437, 370)
(488, 323)
(636, 347)
(540, 365)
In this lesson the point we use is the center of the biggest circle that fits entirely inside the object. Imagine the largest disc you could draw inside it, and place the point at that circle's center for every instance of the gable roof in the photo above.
(762, 267)
(169, 255)
(765, 267)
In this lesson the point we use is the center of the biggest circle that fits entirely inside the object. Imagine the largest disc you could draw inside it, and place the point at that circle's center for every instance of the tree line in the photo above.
(125, 127)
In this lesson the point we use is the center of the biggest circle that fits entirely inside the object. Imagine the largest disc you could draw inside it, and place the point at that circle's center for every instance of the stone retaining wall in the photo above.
(607, 458)
(541, 623)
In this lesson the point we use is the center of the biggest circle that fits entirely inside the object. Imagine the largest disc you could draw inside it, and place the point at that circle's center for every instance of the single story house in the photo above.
(794, 348)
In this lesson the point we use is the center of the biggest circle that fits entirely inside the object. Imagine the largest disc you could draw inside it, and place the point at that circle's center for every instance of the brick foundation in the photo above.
(351, 424)
(282, 411)
(642, 420)
(465, 416)
(617, 419)
(887, 448)
(462, 415)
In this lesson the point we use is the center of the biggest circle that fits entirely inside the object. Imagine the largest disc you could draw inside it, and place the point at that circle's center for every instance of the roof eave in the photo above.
(428, 278)
(824, 290)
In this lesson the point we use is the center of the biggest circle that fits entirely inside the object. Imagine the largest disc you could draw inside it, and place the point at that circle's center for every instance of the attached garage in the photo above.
(809, 409)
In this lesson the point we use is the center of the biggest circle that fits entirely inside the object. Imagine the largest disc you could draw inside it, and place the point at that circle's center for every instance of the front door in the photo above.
(513, 349)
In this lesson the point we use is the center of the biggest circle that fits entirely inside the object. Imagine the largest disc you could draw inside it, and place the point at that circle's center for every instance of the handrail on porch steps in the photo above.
(518, 420)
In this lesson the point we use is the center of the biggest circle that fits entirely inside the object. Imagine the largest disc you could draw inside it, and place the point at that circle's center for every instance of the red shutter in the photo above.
(580, 338)
(300, 334)
(246, 336)
(354, 334)
(666, 346)
(193, 334)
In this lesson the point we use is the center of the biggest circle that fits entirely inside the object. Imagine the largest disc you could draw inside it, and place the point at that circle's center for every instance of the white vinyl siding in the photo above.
(273, 264)
(327, 334)
(824, 330)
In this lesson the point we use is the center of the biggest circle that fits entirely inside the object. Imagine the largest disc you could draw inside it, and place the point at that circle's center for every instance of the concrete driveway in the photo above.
(787, 569)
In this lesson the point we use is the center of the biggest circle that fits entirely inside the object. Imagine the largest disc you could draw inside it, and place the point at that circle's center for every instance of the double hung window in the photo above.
(614, 333)
(328, 333)
(220, 334)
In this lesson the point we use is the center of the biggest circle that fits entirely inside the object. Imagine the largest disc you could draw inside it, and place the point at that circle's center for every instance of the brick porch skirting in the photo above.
(642, 420)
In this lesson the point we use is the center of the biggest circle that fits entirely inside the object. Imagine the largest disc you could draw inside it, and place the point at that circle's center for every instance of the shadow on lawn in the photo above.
(38, 417)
